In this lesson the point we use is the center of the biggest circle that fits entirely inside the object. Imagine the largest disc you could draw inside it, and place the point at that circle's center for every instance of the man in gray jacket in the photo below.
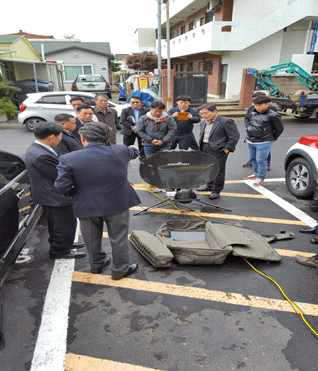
(156, 129)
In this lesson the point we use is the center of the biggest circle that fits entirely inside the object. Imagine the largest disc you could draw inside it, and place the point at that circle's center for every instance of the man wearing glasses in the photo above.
(129, 118)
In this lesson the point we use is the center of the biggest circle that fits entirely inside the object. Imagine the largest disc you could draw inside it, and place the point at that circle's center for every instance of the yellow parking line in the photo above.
(141, 187)
(76, 362)
(194, 293)
(293, 253)
(220, 216)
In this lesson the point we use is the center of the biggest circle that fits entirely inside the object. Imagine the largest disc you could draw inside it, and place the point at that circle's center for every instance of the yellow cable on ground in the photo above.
(296, 307)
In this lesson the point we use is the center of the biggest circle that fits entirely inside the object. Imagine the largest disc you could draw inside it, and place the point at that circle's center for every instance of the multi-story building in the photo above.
(222, 37)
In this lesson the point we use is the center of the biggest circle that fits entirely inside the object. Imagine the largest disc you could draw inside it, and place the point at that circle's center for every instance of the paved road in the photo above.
(154, 320)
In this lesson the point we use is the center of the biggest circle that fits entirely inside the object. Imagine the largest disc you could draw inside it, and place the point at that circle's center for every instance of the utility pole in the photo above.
(159, 49)
(169, 98)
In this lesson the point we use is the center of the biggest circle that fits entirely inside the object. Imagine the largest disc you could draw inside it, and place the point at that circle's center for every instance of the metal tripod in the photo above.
(179, 203)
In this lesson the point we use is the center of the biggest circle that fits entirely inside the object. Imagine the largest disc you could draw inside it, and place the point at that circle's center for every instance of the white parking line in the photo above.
(285, 205)
(50, 348)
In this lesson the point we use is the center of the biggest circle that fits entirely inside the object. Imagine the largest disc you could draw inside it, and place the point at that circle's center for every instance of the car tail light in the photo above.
(22, 107)
(74, 87)
(310, 141)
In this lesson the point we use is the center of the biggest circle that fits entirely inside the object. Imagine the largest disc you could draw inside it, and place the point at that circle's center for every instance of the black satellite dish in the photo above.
(180, 170)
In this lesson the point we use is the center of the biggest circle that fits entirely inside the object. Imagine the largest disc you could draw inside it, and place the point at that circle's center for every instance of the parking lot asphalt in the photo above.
(185, 318)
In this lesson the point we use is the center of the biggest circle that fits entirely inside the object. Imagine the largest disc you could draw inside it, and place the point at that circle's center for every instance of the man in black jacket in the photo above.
(185, 117)
(250, 109)
(69, 142)
(218, 136)
(85, 114)
(97, 176)
(41, 160)
(129, 118)
(263, 126)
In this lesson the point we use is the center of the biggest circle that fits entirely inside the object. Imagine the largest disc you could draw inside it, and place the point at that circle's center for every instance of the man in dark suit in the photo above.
(85, 114)
(107, 115)
(129, 118)
(41, 161)
(218, 136)
(69, 142)
(97, 176)
(185, 117)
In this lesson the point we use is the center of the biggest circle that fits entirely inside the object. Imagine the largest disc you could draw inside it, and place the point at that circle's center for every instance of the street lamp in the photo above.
(169, 98)
(159, 49)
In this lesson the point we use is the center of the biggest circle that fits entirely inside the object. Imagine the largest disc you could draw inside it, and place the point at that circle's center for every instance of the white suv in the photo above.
(301, 167)
(43, 107)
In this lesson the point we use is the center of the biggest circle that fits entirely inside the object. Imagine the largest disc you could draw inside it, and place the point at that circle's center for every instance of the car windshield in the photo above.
(91, 78)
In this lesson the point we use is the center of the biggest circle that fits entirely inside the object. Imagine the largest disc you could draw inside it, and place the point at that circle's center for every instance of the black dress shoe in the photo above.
(131, 269)
(71, 255)
(247, 164)
(214, 196)
(310, 230)
(100, 269)
(78, 245)
(204, 189)
(314, 241)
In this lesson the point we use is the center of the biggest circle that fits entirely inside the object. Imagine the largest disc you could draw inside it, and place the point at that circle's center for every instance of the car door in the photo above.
(51, 105)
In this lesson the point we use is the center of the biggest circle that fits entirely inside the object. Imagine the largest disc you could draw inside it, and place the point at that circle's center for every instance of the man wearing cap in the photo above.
(97, 178)
(185, 117)
(263, 127)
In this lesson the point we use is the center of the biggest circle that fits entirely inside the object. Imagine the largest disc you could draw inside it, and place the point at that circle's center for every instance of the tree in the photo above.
(113, 65)
(145, 61)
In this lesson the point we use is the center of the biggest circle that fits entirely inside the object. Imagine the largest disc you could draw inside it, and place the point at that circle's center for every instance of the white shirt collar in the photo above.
(46, 146)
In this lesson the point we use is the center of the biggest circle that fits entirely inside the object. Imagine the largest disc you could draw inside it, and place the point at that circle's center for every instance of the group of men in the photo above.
(77, 171)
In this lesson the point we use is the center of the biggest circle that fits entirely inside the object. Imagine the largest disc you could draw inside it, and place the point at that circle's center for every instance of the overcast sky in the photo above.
(93, 20)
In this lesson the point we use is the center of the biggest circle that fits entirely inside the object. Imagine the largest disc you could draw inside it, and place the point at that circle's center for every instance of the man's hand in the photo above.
(190, 116)
(157, 142)
(226, 151)
(175, 114)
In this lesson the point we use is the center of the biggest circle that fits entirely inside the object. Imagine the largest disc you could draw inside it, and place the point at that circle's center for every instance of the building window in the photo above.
(190, 67)
(71, 72)
(87, 70)
(181, 67)
(182, 30)
(191, 26)
(208, 67)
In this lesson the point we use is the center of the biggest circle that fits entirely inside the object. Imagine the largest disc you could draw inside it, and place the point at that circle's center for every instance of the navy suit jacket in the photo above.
(41, 165)
(97, 178)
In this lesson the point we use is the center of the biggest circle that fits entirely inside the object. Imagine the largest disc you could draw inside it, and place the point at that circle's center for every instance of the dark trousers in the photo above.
(185, 142)
(217, 185)
(129, 140)
(62, 228)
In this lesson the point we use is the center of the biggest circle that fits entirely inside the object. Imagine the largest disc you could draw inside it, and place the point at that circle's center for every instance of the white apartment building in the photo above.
(222, 37)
